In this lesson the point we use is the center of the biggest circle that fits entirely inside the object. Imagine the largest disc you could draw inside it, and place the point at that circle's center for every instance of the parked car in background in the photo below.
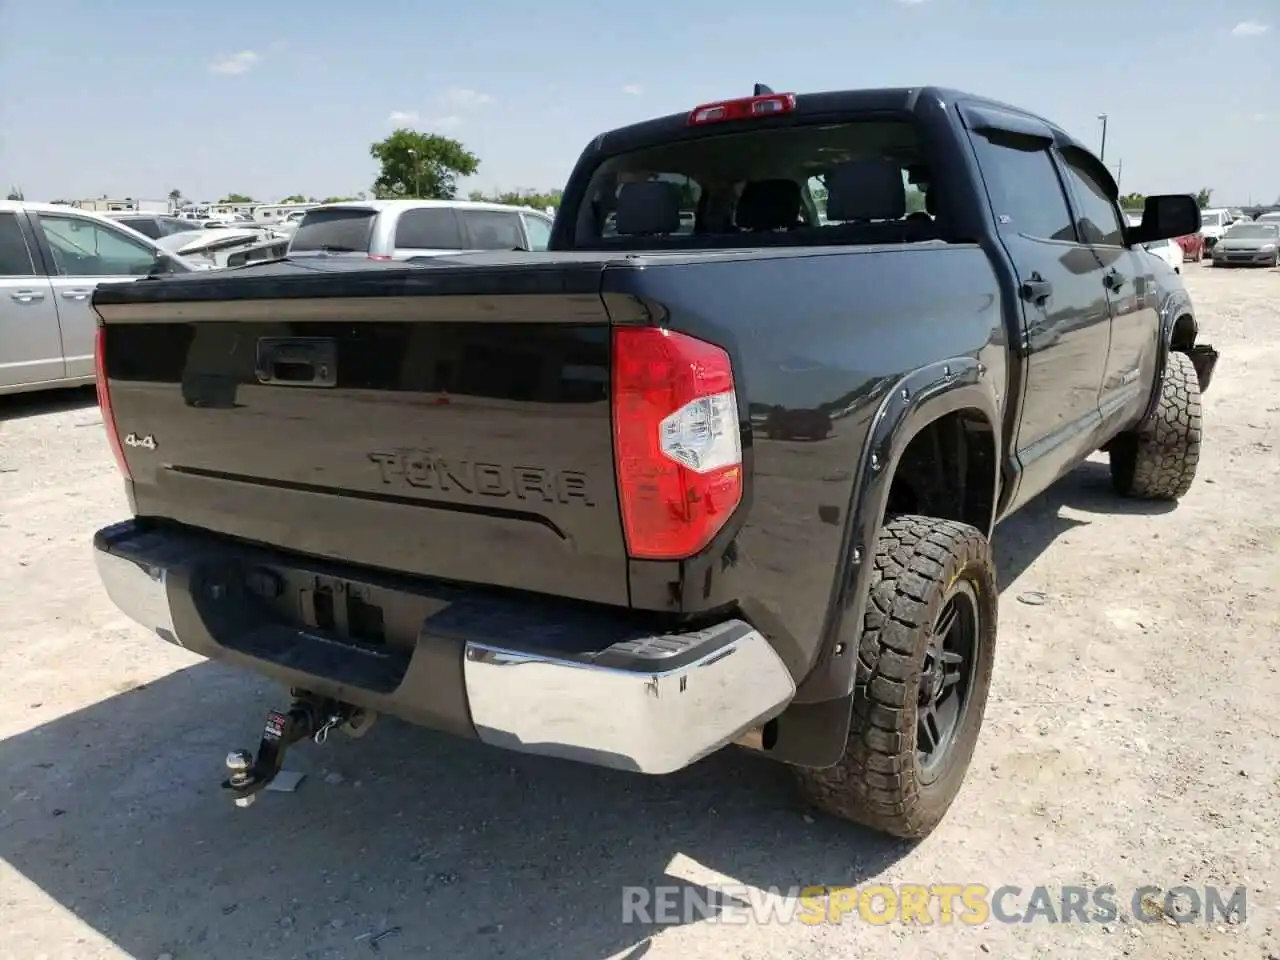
(1213, 224)
(1272, 217)
(1167, 250)
(52, 257)
(288, 226)
(402, 229)
(195, 240)
(1192, 247)
(1174, 252)
(155, 225)
(1249, 245)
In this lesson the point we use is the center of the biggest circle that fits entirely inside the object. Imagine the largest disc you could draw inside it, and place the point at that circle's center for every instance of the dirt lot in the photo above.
(1131, 740)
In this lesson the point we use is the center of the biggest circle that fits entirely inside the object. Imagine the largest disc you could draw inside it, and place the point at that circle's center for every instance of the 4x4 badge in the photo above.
(146, 443)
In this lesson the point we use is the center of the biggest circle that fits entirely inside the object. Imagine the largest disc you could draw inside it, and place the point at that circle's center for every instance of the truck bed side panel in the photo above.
(817, 340)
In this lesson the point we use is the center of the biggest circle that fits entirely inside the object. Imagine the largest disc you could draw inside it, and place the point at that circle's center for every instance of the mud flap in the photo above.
(1204, 358)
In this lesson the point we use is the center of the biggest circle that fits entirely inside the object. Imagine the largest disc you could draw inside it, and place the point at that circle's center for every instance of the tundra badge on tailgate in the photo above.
(425, 470)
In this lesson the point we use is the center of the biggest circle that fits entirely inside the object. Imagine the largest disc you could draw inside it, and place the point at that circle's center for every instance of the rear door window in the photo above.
(338, 230)
(15, 255)
(492, 230)
(87, 248)
(1023, 186)
(428, 228)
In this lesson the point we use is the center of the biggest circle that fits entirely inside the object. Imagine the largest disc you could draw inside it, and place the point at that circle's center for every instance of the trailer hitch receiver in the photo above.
(308, 717)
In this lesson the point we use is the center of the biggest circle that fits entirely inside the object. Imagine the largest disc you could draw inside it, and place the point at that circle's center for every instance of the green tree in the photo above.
(175, 195)
(1202, 197)
(341, 199)
(424, 165)
(294, 198)
(15, 193)
(1133, 201)
(237, 198)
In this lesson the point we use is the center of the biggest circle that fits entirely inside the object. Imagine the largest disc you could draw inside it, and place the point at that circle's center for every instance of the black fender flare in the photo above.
(1175, 306)
(809, 732)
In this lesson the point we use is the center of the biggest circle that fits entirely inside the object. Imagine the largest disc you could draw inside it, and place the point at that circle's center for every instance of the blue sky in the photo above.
(138, 97)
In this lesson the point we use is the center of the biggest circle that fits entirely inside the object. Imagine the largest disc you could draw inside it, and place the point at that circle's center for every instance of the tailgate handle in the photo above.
(298, 361)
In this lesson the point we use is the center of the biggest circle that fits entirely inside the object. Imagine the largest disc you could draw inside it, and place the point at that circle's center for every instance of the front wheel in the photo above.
(924, 671)
(1158, 461)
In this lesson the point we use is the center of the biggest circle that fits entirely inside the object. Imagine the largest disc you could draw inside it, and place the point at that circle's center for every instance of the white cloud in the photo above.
(462, 97)
(633, 89)
(403, 116)
(236, 63)
(1249, 28)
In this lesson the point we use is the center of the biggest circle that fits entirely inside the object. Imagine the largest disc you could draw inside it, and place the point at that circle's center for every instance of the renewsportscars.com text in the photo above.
(940, 903)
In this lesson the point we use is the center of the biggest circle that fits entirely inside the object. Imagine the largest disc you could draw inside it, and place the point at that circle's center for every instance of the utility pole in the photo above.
(417, 175)
(1102, 154)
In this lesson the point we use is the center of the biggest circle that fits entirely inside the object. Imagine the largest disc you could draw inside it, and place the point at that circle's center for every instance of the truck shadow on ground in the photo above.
(1041, 522)
(115, 813)
(19, 406)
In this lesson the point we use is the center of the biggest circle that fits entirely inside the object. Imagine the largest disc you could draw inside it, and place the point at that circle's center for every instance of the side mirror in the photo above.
(1165, 217)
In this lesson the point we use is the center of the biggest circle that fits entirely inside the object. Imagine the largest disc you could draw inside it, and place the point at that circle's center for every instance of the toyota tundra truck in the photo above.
(546, 500)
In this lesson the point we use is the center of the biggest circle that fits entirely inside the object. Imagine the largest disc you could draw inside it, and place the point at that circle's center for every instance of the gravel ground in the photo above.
(1127, 743)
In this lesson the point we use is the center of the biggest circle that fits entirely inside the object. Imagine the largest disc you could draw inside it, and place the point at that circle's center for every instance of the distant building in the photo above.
(232, 209)
(277, 212)
(127, 205)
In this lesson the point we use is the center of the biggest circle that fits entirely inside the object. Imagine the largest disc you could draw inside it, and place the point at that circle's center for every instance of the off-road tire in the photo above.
(919, 565)
(1158, 460)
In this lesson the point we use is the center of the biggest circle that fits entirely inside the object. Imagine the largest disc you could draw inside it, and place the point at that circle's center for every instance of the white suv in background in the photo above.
(401, 229)
(1213, 224)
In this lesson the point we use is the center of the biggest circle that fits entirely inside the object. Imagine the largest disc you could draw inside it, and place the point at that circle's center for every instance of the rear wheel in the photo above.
(1158, 461)
(924, 670)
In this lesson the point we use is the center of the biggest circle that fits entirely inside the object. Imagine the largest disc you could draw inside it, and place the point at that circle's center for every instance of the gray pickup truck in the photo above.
(721, 466)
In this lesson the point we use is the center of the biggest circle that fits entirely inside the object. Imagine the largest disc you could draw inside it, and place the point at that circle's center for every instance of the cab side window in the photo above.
(1099, 222)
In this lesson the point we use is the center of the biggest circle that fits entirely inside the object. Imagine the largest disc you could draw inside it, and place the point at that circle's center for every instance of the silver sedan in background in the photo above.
(1248, 244)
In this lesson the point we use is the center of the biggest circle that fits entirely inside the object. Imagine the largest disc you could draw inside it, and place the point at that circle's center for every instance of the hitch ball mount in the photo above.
(308, 717)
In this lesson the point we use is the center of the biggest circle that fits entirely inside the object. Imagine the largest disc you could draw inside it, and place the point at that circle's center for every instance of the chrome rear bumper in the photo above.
(650, 704)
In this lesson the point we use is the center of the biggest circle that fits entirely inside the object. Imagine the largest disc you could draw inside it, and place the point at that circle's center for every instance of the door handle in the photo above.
(1037, 290)
(76, 294)
(27, 296)
(1112, 280)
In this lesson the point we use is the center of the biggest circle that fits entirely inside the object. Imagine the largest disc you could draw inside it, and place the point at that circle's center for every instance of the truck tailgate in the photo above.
(452, 423)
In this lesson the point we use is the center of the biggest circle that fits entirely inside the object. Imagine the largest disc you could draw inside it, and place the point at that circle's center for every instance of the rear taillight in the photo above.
(676, 438)
(104, 401)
